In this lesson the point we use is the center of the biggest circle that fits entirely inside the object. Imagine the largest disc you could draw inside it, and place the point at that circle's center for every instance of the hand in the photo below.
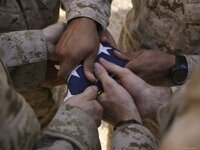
(117, 102)
(51, 79)
(106, 37)
(147, 98)
(150, 65)
(52, 34)
(80, 42)
(86, 101)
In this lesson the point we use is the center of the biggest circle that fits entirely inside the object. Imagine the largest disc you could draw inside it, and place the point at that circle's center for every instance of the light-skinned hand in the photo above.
(150, 65)
(87, 102)
(52, 34)
(117, 102)
(147, 98)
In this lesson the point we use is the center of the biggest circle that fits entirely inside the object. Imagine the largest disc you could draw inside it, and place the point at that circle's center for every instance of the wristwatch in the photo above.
(179, 72)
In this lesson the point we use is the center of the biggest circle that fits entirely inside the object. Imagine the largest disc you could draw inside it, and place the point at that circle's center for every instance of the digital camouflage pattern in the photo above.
(18, 124)
(179, 118)
(25, 53)
(21, 15)
(70, 129)
(63, 133)
(134, 137)
(168, 25)
(24, 50)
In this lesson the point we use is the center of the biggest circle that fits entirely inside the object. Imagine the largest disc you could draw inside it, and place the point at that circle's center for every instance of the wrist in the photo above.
(127, 122)
(134, 115)
(172, 62)
(84, 20)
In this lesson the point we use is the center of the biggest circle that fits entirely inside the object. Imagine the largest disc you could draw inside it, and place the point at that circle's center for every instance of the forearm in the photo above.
(71, 128)
(135, 137)
(98, 10)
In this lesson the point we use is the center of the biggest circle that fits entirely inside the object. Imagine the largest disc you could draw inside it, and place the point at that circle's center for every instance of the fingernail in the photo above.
(91, 77)
(116, 51)
(96, 66)
(95, 87)
(102, 59)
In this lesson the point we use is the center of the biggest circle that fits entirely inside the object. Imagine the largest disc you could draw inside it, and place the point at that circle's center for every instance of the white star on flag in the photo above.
(74, 73)
(103, 49)
(77, 82)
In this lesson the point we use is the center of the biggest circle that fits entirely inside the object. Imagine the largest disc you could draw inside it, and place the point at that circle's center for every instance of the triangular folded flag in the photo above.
(77, 81)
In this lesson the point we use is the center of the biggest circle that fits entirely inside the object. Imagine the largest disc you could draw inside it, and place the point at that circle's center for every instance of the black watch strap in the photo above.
(131, 121)
(181, 60)
(178, 73)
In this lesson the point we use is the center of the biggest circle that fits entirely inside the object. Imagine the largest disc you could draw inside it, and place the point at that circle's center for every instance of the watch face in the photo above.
(179, 76)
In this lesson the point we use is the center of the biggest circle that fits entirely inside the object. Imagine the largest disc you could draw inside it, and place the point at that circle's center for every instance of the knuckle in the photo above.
(92, 90)
(125, 72)
(99, 108)
(103, 99)
(71, 59)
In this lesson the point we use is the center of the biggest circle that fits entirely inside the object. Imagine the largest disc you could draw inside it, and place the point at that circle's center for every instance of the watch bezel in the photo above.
(181, 65)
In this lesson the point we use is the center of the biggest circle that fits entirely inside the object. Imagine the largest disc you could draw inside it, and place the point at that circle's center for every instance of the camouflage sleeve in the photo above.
(18, 124)
(25, 55)
(70, 129)
(135, 137)
(98, 10)
(23, 47)
(192, 61)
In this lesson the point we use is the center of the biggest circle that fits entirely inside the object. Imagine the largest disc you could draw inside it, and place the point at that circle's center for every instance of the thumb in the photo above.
(53, 32)
(90, 93)
(88, 67)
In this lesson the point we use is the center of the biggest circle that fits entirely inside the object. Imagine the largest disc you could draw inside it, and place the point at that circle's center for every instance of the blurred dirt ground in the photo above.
(118, 14)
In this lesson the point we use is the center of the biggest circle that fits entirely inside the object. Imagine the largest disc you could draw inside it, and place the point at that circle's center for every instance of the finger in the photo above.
(121, 55)
(88, 67)
(132, 65)
(67, 66)
(105, 36)
(102, 98)
(99, 112)
(90, 93)
(102, 74)
(117, 71)
(53, 32)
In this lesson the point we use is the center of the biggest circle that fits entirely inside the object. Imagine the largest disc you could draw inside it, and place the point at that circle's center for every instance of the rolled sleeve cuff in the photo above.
(23, 47)
(96, 10)
(134, 137)
(75, 126)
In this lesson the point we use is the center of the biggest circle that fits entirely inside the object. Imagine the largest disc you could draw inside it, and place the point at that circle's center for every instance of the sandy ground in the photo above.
(118, 14)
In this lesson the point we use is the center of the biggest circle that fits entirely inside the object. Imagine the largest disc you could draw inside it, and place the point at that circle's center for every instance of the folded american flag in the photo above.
(77, 81)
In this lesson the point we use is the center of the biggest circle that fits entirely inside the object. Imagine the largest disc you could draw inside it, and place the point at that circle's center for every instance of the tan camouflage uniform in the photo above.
(24, 50)
(178, 119)
(70, 129)
(171, 26)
